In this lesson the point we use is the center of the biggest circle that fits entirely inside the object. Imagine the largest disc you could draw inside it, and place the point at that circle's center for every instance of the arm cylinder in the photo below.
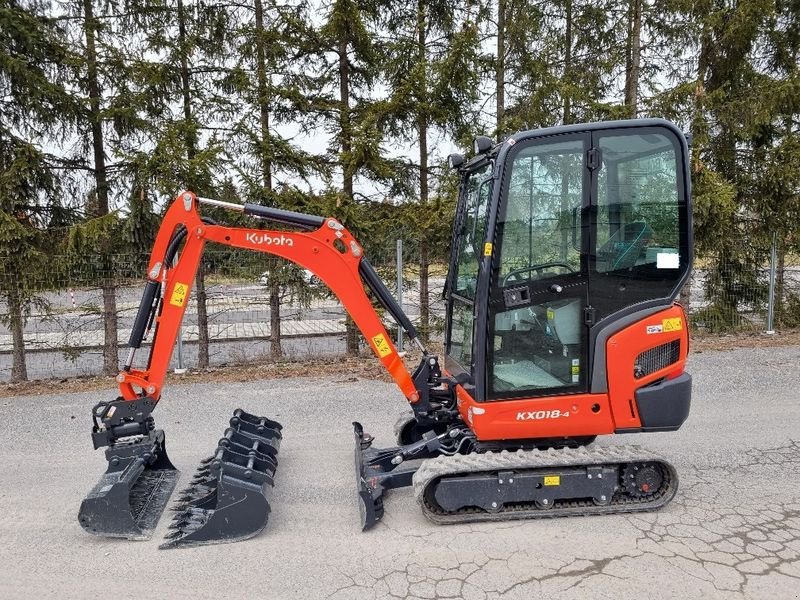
(375, 283)
(287, 217)
(143, 314)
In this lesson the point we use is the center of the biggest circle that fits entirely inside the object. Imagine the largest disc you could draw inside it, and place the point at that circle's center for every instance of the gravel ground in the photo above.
(732, 532)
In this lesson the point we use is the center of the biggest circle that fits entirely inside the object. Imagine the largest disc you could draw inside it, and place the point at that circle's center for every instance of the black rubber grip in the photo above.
(143, 315)
(375, 283)
(284, 216)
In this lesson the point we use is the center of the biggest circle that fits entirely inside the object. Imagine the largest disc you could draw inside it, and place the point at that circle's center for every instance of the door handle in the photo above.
(555, 288)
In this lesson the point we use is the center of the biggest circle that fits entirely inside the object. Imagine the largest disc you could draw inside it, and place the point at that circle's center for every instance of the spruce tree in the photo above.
(559, 63)
(268, 84)
(34, 104)
(179, 71)
(346, 70)
(430, 66)
(101, 85)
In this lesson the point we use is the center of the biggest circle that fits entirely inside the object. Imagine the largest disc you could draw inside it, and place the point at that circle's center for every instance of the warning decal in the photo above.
(552, 480)
(675, 324)
(487, 249)
(381, 345)
(179, 293)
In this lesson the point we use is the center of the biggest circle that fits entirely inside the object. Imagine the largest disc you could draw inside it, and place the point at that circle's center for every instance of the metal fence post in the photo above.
(400, 291)
(773, 263)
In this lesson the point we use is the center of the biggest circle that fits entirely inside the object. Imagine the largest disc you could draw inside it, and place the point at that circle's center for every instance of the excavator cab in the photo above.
(562, 237)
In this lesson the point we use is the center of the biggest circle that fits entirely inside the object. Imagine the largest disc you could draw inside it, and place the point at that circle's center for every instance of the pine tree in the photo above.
(179, 70)
(431, 57)
(33, 103)
(268, 83)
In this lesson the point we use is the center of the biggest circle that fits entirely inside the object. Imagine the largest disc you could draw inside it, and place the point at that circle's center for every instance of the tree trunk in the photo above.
(500, 69)
(202, 318)
(19, 370)
(276, 349)
(190, 139)
(110, 348)
(685, 297)
(780, 280)
(352, 335)
(422, 127)
(110, 342)
(567, 63)
(633, 58)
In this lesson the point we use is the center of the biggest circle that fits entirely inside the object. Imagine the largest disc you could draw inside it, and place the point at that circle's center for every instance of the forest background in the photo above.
(349, 107)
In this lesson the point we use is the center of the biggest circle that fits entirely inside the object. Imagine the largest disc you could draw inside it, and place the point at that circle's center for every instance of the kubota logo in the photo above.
(269, 240)
(536, 415)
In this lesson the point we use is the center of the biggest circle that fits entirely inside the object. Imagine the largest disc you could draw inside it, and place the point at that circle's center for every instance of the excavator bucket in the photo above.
(128, 500)
(228, 498)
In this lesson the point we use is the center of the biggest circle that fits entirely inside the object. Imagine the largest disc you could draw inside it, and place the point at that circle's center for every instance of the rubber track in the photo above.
(491, 462)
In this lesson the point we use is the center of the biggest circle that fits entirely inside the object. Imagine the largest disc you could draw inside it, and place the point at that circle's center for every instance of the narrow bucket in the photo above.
(128, 500)
(228, 497)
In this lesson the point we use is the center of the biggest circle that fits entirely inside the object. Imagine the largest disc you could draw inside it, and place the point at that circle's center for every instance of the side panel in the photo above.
(557, 416)
(642, 354)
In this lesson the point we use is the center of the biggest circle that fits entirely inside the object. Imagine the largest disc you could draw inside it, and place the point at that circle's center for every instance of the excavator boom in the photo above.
(130, 497)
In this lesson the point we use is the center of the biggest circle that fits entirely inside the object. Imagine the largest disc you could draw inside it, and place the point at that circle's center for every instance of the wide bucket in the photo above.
(128, 500)
(228, 498)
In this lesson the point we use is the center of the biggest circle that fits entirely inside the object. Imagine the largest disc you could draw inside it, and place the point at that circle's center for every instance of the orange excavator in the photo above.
(569, 248)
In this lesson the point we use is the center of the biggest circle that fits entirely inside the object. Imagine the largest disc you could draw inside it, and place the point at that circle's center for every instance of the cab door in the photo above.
(462, 279)
(537, 326)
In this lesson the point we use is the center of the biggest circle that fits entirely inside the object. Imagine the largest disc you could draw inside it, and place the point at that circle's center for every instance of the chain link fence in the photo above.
(62, 316)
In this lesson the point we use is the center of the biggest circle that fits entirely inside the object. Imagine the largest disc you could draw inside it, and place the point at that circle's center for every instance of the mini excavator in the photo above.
(569, 248)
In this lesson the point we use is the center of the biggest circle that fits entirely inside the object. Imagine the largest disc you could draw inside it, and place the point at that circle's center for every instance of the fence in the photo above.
(63, 325)
(64, 322)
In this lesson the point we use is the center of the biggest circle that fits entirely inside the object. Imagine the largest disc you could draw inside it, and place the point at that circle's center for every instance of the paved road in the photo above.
(732, 532)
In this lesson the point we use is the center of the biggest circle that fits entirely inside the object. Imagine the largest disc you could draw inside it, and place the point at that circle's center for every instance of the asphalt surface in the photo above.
(732, 532)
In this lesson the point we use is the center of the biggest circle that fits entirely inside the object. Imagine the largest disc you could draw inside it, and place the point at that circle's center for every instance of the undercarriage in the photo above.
(457, 479)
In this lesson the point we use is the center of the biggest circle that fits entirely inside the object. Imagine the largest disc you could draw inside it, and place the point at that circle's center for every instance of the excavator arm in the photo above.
(326, 248)
(227, 499)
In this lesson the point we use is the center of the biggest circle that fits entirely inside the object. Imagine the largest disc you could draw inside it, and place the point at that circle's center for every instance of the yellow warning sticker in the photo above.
(550, 480)
(381, 345)
(179, 293)
(551, 314)
(675, 324)
(576, 369)
(487, 249)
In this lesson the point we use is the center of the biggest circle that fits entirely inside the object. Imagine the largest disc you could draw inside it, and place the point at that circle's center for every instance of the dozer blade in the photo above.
(377, 471)
(128, 500)
(228, 498)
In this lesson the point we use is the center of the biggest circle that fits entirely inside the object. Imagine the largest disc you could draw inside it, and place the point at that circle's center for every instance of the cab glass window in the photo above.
(640, 247)
(541, 222)
(473, 227)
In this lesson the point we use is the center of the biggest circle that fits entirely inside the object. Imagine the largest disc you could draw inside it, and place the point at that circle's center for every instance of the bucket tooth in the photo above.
(128, 500)
(227, 499)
